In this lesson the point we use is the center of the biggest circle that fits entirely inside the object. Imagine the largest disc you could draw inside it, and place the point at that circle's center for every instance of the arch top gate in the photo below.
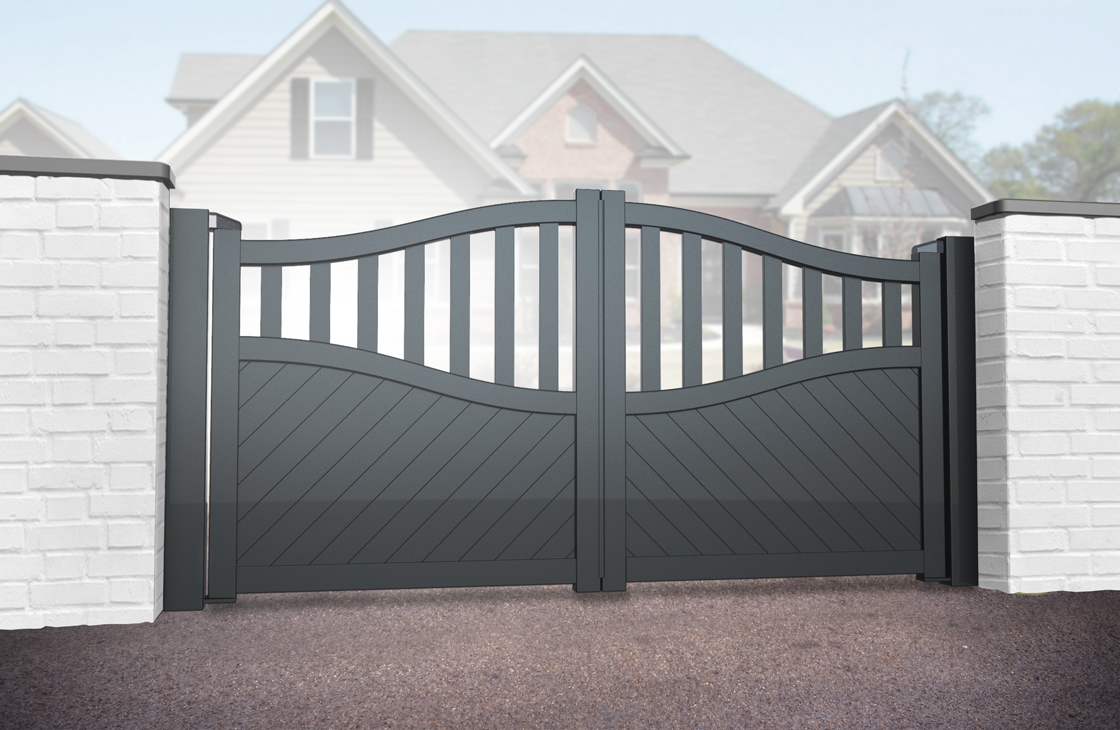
(344, 468)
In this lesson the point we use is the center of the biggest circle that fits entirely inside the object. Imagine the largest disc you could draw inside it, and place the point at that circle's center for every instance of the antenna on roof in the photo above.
(905, 61)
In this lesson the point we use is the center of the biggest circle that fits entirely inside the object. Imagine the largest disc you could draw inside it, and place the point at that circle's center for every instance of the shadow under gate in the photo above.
(341, 468)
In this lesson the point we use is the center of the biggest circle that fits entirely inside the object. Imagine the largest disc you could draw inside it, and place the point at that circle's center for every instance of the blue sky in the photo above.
(109, 65)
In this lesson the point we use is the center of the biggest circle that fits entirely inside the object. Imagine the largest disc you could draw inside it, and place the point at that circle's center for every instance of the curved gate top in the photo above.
(336, 467)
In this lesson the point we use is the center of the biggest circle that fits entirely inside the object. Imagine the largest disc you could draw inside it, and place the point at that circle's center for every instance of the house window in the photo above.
(332, 118)
(889, 162)
(581, 125)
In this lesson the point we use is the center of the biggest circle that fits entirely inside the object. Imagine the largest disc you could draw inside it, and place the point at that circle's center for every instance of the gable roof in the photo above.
(745, 134)
(207, 77)
(268, 71)
(582, 69)
(66, 133)
(848, 136)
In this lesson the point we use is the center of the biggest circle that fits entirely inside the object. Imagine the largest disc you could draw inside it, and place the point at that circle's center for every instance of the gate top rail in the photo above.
(298, 252)
(763, 242)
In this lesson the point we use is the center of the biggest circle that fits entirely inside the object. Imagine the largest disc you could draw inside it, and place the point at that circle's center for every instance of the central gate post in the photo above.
(588, 387)
(614, 390)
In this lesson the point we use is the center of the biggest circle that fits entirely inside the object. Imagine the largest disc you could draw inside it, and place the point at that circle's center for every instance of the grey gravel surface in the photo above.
(862, 652)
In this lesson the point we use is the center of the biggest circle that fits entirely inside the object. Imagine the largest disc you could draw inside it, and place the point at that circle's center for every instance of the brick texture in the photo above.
(1047, 301)
(83, 266)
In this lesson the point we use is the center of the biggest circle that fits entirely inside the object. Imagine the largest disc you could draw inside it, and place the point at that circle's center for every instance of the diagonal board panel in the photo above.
(827, 465)
(365, 471)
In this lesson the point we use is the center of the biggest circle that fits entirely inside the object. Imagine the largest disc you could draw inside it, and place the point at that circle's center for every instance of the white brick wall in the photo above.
(1048, 402)
(83, 363)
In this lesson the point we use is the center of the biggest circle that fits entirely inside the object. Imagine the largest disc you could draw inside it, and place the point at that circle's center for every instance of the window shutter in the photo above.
(301, 118)
(364, 133)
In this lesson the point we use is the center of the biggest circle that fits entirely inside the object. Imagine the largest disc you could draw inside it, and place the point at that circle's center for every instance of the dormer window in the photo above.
(581, 126)
(332, 118)
(889, 163)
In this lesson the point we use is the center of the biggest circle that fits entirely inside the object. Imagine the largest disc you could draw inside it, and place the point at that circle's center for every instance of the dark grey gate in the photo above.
(338, 468)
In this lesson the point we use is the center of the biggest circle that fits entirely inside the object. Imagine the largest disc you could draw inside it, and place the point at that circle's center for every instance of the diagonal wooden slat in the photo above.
(327, 506)
(403, 505)
(542, 530)
(768, 456)
(269, 398)
(865, 483)
(361, 502)
(306, 485)
(287, 419)
(763, 534)
(562, 543)
(856, 408)
(415, 534)
(522, 510)
(908, 383)
(661, 443)
(638, 541)
(792, 534)
(253, 377)
(842, 495)
(490, 500)
(893, 399)
(649, 512)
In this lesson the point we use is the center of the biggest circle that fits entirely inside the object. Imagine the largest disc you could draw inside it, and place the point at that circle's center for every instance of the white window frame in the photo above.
(353, 119)
(594, 119)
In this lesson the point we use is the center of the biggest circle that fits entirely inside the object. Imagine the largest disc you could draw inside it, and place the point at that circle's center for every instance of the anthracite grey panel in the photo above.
(189, 296)
(853, 313)
(892, 314)
(549, 330)
(729, 567)
(320, 354)
(319, 326)
(651, 308)
(253, 376)
(223, 415)
(692, 325)
(272, 294)
(297, 252)
(503, 305)
(812, 313)
(772, 311)
(367, 303)
(261, 405)
(732, 311)
(414, 304)
(460, 305)
(282, 579)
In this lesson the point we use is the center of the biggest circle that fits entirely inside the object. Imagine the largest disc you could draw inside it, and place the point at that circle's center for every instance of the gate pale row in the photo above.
(342, 468)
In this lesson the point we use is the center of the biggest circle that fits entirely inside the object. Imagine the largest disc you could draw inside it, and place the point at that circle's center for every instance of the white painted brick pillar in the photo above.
(83, 364)
(1048, 395)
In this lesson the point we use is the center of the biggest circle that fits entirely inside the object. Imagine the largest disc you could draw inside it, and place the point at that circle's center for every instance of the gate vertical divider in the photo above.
(960, 380)
(732, 311)
(460, 315)
(589, 318)
(367, 303)
(272, 297)
(812, 313)
(650, 270)
(692, 334)
(614, 388)
(548, 346)
(503, 305)
(414, 303)
(319, 324)
(226, 334)
(932, 418)
(852, 308)
(773, 313)
(184, 557)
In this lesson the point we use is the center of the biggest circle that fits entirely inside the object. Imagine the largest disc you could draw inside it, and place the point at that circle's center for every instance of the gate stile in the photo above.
(338, 468)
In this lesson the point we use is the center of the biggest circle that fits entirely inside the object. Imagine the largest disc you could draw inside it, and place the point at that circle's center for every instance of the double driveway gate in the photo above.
(340, 468)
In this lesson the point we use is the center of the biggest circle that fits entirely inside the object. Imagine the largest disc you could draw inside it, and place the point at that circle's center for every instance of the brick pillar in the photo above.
(83, 363)
(1048, 395)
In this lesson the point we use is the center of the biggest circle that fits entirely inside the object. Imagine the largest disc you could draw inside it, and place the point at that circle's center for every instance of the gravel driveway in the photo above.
(874, 652)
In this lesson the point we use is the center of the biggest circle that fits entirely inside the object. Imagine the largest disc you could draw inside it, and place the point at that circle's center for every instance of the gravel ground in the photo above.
(862, 652)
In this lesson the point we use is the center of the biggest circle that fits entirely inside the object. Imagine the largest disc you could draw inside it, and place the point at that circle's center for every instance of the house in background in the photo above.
(28, 129)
